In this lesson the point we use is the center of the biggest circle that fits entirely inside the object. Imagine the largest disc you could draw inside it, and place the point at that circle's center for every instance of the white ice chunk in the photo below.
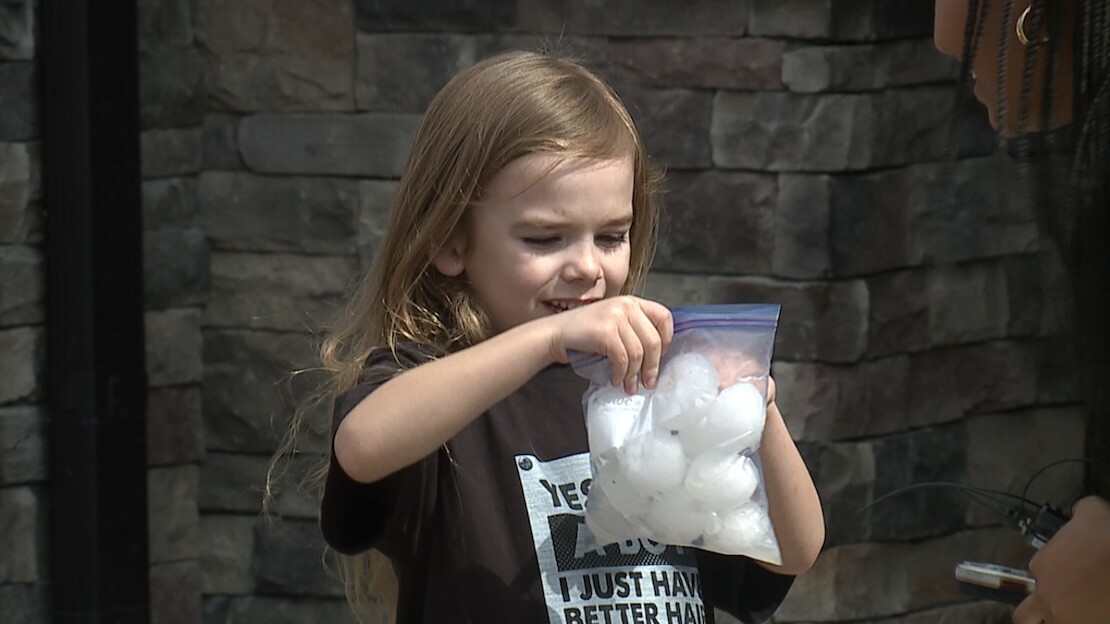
(686, 388)
(605, 521)
(746, 530)
(675, 518)
(611, 415)
(695, 439)
(721, 480)
(609, 477)
(735, 420)
(653, 463)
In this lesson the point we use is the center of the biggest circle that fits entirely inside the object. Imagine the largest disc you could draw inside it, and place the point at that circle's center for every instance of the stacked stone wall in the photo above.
(812, 161)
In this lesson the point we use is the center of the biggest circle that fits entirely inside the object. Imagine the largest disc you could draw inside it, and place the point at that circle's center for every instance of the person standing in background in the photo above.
(1042, 69)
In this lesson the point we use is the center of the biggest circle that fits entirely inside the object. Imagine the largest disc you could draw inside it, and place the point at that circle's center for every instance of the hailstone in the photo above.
(676, 518)
(605, 521)
(686, 388)
(735, 420)
(721, 480)
(653, 463)
(611, 415)
(609, 478)
(745, 530)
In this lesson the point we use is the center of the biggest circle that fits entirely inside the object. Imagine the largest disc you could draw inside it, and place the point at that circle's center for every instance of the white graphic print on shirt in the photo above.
(635, 581)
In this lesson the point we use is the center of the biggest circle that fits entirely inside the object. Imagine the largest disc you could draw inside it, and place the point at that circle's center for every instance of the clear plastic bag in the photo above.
(679, 464)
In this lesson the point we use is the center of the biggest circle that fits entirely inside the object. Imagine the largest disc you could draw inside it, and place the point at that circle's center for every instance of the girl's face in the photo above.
(551, 233)
(950, 20)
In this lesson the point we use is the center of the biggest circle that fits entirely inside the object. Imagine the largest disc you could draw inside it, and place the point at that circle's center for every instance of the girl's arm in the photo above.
(413, 414)
(795, 508)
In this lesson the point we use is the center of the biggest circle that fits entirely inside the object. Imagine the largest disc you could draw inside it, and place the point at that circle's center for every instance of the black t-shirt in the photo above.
(491, 528)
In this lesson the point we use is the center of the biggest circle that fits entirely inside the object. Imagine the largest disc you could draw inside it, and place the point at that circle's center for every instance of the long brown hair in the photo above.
(503, 108)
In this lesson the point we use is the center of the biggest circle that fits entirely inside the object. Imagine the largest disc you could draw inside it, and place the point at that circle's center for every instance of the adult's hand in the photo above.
(1073, 571)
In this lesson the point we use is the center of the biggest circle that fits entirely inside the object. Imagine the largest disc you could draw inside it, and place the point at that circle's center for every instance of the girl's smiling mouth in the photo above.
(562, 305)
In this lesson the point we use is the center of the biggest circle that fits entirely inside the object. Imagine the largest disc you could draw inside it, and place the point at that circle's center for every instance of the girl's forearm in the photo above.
(416, 412)
(794, 505)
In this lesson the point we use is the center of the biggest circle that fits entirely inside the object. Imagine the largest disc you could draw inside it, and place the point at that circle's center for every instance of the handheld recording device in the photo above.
(994, 582)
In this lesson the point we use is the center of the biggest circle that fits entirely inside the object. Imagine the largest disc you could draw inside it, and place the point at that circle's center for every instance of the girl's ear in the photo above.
(451, 259)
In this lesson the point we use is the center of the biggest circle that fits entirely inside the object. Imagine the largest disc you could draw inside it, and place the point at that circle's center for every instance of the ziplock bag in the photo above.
(679, 464)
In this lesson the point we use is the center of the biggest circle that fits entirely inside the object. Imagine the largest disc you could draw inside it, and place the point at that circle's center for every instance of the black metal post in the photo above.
(96, 380)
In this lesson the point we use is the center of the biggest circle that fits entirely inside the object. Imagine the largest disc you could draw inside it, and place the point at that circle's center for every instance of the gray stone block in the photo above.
(819, 321)
(435, 15)
(175, 593)
(22, 445)
(247, 212)
(17, 30)
(1039, 297)
(718, 222)
(801, 227)
(837, 402)
(926, 455)
(172, 512)
(928, 214)
(165, 23)
(170, 152)
(948, 383)
(173, 347)
(21, 285)
(972, 209)
(631, 17)
(851, 475)
(18, 110)
(226, 546)
(237, 483)
(220, 142)
(25, 604)
(967, 303)
(844, 474)
(284, 56)
(277, 291)
(782, 131)
(22, 355)
(250, 392)
(169, 203)
(1006, 449)
(674, 124)
(899, 313)
(845, 20)
(372, 144)
(174, 429)
(865, 581)
(19, 531)
(283, 610)
(813, 69)
(374, 200)
(288, 559)
(175, 268)
(701, 62)
(402, 72)
(20, 188)
(1054, 358)
(171, 87)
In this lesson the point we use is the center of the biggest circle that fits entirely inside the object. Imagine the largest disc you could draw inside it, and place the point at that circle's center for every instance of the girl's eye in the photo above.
(613, 240)
(541, 241)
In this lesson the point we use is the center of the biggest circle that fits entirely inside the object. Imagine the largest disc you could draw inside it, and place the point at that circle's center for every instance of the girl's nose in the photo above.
(582, 264)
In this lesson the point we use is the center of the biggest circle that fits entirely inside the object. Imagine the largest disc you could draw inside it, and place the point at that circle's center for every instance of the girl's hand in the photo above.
(632, 333)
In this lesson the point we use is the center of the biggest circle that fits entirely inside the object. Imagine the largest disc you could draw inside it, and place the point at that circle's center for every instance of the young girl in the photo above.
(525, 218)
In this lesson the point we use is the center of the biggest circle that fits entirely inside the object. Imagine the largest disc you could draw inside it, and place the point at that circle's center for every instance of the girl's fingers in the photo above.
(652, 344)
(634, 349)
